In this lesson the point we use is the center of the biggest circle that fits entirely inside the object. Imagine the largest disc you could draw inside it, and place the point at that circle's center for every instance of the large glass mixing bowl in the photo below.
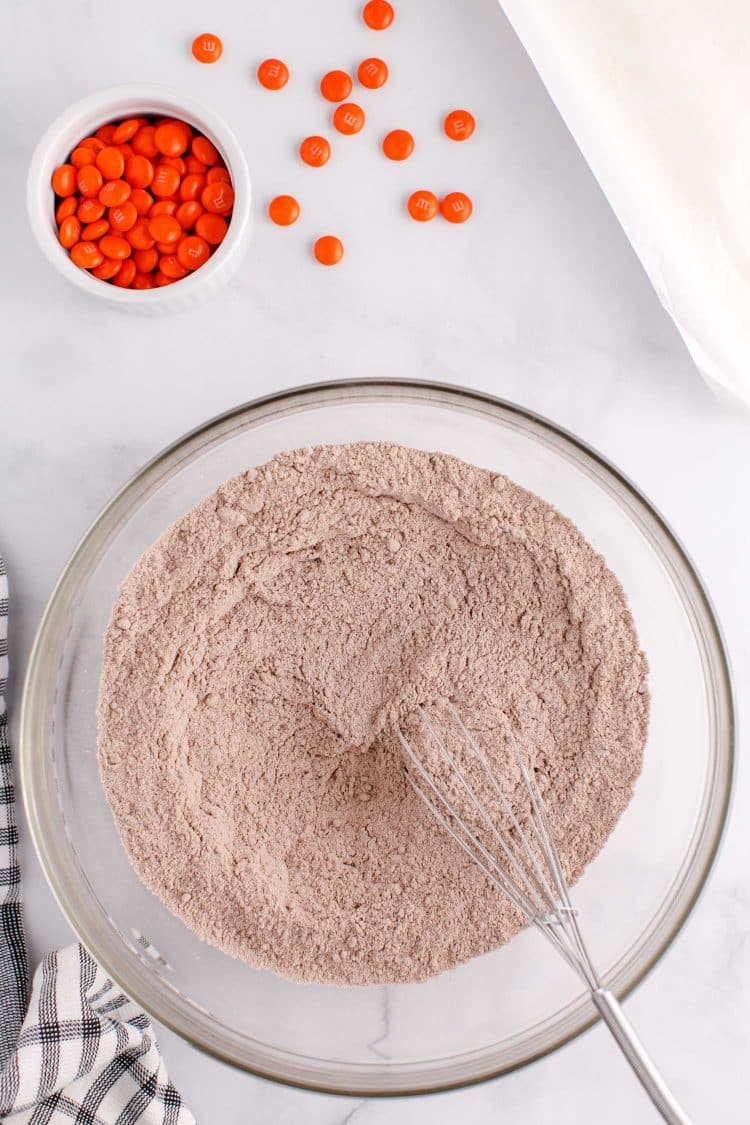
(500, 1010)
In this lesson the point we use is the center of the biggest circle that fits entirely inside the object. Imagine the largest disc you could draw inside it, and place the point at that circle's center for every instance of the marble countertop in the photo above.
(539, 299)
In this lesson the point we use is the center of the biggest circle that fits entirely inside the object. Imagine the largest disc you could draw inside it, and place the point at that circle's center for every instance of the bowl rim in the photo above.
(116, 101)
(707, 835)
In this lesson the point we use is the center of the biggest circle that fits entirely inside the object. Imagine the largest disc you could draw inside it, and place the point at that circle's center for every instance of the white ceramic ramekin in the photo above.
(119, 102)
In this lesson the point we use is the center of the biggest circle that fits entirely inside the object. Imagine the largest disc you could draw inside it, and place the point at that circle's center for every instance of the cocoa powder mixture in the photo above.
(260, 655)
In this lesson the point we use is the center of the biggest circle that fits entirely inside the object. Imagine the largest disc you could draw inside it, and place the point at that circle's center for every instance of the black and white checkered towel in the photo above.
(77, 1049)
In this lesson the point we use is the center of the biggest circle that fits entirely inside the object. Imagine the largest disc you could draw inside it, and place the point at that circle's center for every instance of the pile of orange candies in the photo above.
(142, 202)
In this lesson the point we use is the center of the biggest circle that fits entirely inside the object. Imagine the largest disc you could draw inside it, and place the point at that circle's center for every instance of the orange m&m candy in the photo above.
(378, 14)
(68, 207)
(193, 251)
(89, 180)
(69, 232)
(121, 133)
(166, 181)
(110, 162)
(126, 274)
(336, 85)
(203, 150)
(92, 232)
(164, 228)
(82, 155)
(459, 125)
(90, 210)
(211, 227)
(328, 250)
(283, 210)
(171, 138)
(64, 180)
(188, 213)
(139, 171)
(207, 48)
(273, 74)
(315, 151)
(114, 246)
(348, 118)
(372, 73)
(87, 255)
(456, 207)
(107, 269)
(218, 197)
(398, 144)
(423, 206)
(114, 192)
(123, 216)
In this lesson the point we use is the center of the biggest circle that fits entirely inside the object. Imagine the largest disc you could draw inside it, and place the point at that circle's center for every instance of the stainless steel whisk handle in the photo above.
(609, 1009)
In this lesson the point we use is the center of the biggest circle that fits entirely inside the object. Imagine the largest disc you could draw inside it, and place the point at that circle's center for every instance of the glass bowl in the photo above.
(503, 1009)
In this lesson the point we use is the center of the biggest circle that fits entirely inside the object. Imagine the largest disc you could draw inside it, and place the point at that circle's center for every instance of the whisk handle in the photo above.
(634, 1051)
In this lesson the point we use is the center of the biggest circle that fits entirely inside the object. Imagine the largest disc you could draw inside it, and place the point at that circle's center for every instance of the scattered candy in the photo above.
(328, 250)
(423, 206)
(459, 125)
(378, 14)
(283, 210)
(144, 203)
(372, 73)
(336, 86)
(398, 145)
(456, 207)
(207, 48)
(273, 74)
(315, 151)
(348, 118)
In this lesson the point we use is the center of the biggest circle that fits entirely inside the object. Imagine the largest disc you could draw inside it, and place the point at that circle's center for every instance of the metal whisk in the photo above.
(525, 865)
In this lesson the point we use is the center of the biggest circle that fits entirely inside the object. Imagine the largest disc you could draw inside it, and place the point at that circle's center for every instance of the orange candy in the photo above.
(207, 48)
(110, 162)
(211, 227)
(166, 181)
(171, 138)
(171, 267)
(273, 74)
(123, 217)
(378, 14)
(64, 180)
(203, 150)
(136, 238)
(283, 210)
(114, 192)
(218, 197)
(125, 275)
(114, 246)
(193, 251)
(187, 214)
(328, 250)
(122, 133)
(87, 255)
(139, 171)
(336, 86)
(372, 73)
(220, 173)
(423, 206)
(146, 261)
(398, 144)
(192, 186)
(348, 118)
(90, 210)
(80, 156)
(107, 269)
(89, 180)
(68, 207)
(138, 235)
(456, 207)
(141, 200)
(69, 232)
(315, 151)
(164, 228)
(459, 125)
(143, 143)
(92, 232)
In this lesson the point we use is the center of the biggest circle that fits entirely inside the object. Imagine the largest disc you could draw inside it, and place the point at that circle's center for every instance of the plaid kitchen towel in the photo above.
(80, 1049)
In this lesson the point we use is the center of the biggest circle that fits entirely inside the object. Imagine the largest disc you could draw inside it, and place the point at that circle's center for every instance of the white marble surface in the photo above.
(539, 299)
